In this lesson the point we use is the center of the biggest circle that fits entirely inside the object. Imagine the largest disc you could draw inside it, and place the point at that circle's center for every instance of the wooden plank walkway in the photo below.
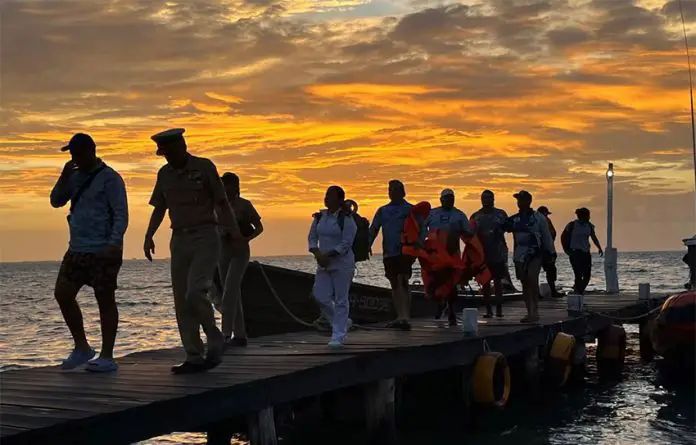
(143, 399)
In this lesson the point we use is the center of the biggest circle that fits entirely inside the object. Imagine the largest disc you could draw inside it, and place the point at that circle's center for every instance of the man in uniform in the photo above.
(190, 188)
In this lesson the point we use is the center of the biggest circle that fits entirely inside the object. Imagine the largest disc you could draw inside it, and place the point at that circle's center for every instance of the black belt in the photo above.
(188, 230)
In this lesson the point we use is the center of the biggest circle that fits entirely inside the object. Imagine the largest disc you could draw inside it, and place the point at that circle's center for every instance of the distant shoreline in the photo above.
(305, 255)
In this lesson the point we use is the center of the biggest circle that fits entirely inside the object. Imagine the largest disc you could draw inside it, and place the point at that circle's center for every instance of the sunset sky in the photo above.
(298, 95)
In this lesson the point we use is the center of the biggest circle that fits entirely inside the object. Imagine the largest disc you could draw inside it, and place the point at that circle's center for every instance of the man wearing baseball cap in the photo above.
(533, 246)
(98, 220)
(190, 188)
(448, 217)
(550, 265)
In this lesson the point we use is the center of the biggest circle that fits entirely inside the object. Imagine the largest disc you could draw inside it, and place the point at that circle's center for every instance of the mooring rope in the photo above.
(625, 319)
(298, 319)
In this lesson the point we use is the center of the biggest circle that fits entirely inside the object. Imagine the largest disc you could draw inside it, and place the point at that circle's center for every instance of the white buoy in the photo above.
(643, 291)
(470, 321)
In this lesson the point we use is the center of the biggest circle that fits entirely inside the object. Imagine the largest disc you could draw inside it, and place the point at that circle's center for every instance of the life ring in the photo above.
(560, 361)
(611, 350)
(491, 380)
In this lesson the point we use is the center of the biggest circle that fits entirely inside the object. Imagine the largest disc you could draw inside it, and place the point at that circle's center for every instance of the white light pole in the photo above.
(610, 273)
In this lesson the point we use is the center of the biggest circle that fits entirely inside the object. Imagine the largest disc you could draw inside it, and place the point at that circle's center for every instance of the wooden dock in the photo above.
(144, 400)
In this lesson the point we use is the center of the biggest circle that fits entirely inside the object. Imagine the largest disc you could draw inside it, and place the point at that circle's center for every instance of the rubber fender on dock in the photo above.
(560, 358)
(611, 350)
(491, 380)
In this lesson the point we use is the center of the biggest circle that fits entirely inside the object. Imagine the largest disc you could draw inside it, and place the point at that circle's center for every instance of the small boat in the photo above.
(278, 300)
(673, 332)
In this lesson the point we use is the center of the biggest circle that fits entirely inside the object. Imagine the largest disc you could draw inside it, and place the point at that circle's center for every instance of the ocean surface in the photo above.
(641, 409)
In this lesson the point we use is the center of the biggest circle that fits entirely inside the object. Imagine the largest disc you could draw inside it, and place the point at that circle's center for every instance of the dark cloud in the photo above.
(566, 37)
(672, 11)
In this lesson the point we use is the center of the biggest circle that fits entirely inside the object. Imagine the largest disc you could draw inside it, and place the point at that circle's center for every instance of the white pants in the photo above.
(331, 290)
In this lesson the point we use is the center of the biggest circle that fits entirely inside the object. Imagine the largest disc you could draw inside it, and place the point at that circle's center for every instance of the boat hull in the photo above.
(673, 333)
(265, 287)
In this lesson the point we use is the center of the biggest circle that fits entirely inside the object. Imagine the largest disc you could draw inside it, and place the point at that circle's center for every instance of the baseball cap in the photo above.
(79, 140)
(522, 194)
(446, 192)
(544, 210)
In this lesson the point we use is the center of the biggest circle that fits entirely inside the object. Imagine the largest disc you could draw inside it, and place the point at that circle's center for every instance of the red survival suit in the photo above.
(441, 270)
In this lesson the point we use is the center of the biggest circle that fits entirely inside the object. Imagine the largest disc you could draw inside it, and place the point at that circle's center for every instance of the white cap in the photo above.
(446, 192)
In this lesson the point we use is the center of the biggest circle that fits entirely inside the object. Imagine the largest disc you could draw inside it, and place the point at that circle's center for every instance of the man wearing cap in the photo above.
(490, 227)
(397, 267)
(550, 265)
(448, 217)
(98, 220)
(533, 246)
(190, 188)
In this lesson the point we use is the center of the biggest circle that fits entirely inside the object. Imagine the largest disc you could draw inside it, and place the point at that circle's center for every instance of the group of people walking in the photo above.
(211, 230)
(212, 226)
(332, 240)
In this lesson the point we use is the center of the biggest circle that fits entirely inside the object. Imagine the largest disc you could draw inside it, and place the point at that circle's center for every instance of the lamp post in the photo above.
(610, 273)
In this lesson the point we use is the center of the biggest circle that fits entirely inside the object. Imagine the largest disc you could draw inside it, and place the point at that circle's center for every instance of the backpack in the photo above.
(361, 243)
(566, 236)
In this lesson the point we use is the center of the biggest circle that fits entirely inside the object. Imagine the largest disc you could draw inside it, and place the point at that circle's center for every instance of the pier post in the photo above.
(262, 427)
(218, 436)
(380, 411)
(647, 353)
(531, 367)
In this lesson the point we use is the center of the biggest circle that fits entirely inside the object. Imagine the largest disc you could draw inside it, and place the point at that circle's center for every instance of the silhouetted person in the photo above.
(330, 239)
(398, 267)
(98, 220)
(533, 246)
(490, 227)
(578, 234)
(234, 261)
(448, 217)
(191, 189)
(550, 265)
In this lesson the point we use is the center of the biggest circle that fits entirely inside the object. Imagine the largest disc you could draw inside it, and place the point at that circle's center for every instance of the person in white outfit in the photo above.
(331, 242)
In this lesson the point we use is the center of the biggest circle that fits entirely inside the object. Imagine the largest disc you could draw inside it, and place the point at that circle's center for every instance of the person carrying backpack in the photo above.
(331, 243)
(575, 242)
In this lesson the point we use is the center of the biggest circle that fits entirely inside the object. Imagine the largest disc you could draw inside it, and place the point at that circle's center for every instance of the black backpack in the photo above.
(566, 236)
(361, 243)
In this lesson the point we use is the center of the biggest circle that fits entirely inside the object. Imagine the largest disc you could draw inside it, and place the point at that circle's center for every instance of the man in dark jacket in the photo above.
(550, 265)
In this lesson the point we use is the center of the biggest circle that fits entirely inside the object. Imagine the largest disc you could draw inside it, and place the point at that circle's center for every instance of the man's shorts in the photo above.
(89, 269)
(498, 270)
(398, 265)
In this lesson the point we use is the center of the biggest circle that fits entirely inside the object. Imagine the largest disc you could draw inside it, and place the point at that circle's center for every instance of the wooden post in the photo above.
(531, 366)
(379, 411)
(262, 427)
(647, 353)
(218, 436)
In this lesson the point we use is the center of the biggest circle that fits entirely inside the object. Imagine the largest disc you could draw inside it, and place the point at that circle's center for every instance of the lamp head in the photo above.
(610, 171)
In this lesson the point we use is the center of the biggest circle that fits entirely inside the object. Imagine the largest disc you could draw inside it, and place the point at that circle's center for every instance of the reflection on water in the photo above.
(638, 410)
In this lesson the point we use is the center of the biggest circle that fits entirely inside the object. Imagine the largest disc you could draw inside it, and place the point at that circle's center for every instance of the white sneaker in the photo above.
(336, 344)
